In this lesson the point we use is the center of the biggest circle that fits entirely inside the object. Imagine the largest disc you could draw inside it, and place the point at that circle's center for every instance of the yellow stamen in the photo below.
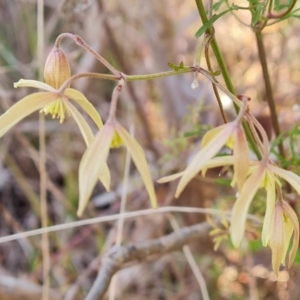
(116, 141)
(57, 109)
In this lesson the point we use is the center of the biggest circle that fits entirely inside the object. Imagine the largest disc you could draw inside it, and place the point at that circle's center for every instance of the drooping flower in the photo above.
(284, 225)
(94, 159)
(230, 134)
(263, 174)
(55, 102)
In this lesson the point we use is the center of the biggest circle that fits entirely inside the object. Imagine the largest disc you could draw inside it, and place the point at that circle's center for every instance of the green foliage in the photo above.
(177, 67)
(218, 4)
(214, 18)
(292, 137)
(258, 12)
(279, 4)
(255, 245)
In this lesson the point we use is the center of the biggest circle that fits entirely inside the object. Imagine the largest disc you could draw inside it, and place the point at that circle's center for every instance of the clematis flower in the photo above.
(55, 102)
(265, 175)
(94, 159)
(230, 134)
(262, 174)
(284, 224)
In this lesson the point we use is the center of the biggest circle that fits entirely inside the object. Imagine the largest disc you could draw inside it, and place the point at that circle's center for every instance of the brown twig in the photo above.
(268, 89)
(120, 255)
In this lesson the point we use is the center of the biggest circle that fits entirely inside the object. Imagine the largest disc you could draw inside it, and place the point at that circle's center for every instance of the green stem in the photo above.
(271, 16)
(210, 69)
(158, 75)
(225, 74)
(126, 77)
(268, 87)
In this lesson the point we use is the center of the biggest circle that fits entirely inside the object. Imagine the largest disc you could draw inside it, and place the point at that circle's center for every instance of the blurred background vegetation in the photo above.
(168, 117)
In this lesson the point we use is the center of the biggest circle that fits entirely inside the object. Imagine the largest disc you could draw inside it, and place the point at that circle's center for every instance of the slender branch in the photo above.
(209, 66)
(80, 42)
(131, 214)
(42, 160)
(120, 255)
(272, 16)
(158, 75)
(225, 73)
(120, 224)
(192, 262)
(89, 75)
(126, 77)
(268, 88)
(114, 99)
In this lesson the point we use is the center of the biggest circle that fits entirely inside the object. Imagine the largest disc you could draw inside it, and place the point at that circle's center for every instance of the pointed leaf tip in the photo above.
(139, 159)
(241, 205)
(92, 164)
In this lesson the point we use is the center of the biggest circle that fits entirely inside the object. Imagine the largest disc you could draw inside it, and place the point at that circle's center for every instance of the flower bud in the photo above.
(116, 141)
(57, 69)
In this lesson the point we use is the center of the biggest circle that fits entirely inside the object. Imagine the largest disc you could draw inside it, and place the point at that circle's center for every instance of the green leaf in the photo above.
(176, 67)
(297, 258)
(217, 73)
(205, 26)
(259, 9)
(223, 181)
(217, 5)
(279, 4)
(255, 246)
(208, 24)
(234, 7)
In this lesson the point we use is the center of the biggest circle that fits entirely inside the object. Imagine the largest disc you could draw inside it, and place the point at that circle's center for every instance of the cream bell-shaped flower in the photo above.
(283, 227)
(263, 174)
(212, 143)
(55, 102)
(94, 160)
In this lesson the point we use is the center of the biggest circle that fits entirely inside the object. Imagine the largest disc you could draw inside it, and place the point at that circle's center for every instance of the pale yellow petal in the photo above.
(241, 205)
(88, 137)
(270, 206)
(23, 108)
(138, 156)
(209, 135)
(287, 234)
(219, 161)
(216, 162)
(85, 129)
(276, 239)
(295, 223)
(92, 162)
(290, 177)
(170, 177)
(212, 163)
(85, 104)
(34, 84)
(241, 156)
(198, 162)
